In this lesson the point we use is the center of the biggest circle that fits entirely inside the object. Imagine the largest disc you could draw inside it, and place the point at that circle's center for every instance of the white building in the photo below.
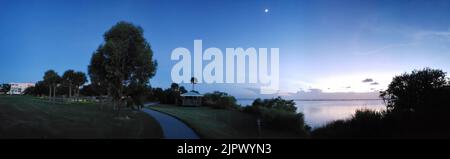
(19, 88)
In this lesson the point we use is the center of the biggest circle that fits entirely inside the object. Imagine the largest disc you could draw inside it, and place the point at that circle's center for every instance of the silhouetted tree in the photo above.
(193, 82)
(52, 79)
(278, 114)
(40, 88)
(167, 96)
(408, 92)
(90, 90)
(158, 94)
(67, 79)
(124, 61)
(183, 90)
(79, 79)
(4, 88)
(276, 103)
(220, 100)
(97, 71)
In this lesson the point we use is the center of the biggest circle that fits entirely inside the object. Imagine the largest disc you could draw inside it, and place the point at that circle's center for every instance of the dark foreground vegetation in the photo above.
(31, 117)
(418, 106)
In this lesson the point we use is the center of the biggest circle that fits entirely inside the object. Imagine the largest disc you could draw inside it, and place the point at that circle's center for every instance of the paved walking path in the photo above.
(171, 126)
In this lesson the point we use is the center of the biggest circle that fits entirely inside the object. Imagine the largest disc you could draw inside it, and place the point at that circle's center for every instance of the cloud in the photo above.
(422, 34)
(415, 38)
(367, 80)
(335, 95)
(374, 83)
(385, 47)
(315, 90)
(253, 89)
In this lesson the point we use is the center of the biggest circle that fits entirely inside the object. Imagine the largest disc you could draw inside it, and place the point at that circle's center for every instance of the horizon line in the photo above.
(323, 99)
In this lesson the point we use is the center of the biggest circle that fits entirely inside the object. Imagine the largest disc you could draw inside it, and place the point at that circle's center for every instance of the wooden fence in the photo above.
(64, 100)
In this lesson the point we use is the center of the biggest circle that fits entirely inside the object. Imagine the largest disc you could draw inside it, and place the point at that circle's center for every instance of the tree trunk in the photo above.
(70, 90)
(50, 92)
(74, 93)
(120, 98)
(54, 91)
(78, 90)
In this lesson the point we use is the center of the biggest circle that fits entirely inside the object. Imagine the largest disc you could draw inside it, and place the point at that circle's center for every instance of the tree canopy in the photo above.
(52, 79)
(410, 91)
(124, 62)
(79, 79)
(4, 88)
(219, 99)
(68, 79)
(276, 103)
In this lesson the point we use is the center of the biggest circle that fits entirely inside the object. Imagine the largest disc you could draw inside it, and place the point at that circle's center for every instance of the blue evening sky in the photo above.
(330, 45)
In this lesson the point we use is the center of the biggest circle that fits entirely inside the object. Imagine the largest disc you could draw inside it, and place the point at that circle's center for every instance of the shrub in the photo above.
(387, 124)
(364, 124)
(276, 103)
(219, 100)
(282, 120)
(278, 114)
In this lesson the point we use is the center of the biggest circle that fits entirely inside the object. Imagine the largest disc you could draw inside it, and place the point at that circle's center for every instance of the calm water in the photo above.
(318, 113)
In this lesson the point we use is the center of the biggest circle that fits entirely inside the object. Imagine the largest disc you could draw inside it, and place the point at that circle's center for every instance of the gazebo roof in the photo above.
(191, 94)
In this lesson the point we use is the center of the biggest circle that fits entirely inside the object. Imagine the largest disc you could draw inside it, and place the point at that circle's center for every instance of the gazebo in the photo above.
(191, 98)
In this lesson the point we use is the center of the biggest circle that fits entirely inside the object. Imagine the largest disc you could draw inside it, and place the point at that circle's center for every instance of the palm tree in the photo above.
(68, 79)
(79, 79)
(193, 81)
(51, 78)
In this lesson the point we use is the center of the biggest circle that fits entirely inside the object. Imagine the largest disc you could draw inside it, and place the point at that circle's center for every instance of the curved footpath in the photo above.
(171, 126)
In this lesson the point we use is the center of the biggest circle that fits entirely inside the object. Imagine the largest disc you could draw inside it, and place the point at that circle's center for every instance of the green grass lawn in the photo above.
(26, 117)
(221, 124)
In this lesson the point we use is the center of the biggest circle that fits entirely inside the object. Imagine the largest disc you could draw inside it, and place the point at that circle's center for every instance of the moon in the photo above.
(266, 10)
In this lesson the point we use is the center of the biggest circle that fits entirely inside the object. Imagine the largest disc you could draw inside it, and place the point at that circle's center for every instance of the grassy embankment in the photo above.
(221, 123)
(27, 117)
